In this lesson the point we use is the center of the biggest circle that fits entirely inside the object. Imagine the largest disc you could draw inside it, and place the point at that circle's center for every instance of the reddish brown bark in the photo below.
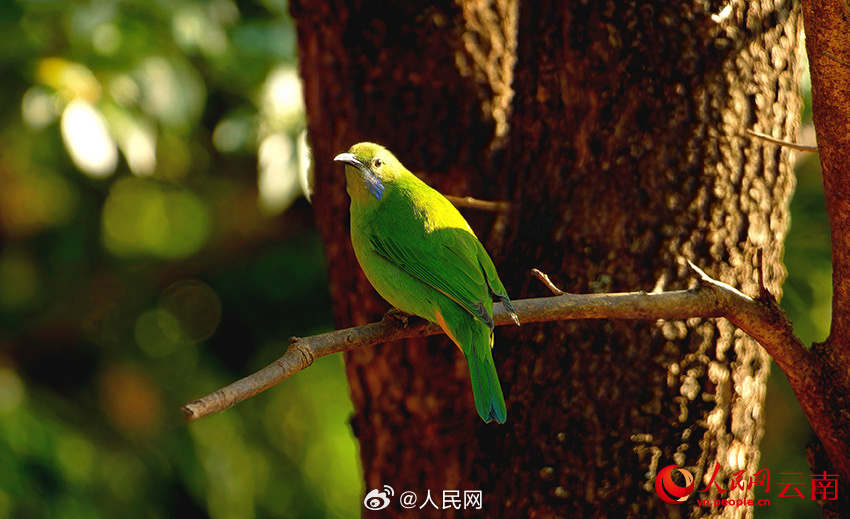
(828, 45)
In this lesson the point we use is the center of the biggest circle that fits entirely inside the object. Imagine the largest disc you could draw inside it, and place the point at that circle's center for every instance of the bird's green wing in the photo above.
(494, 282)
(448, 260)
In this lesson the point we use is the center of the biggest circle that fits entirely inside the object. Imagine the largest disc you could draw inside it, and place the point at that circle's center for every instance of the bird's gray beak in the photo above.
(349, 158)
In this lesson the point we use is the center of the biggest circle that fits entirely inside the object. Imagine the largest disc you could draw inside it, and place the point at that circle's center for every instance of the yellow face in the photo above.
(371, 166)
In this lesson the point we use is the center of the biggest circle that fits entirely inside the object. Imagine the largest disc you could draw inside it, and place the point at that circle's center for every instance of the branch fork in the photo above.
(711, 299)
(761, 318)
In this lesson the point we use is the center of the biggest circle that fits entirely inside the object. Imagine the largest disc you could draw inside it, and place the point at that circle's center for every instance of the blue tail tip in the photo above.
(494, 414)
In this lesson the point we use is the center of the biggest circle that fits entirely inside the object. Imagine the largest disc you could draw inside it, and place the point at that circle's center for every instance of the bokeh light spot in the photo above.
(87, 139)
(11, 390)
(136, 138)
(147, 218)
(171, 91)
(158, 332)
(106, 39)
(75, 455)
(38, 107)
(35, 200)
(5, 505)
(233, 134)
(305, 166)
(71, 80)
(121, 474)
(282, 99)
(196, 306)
(278, 181)
(130, 400)
(19, 279)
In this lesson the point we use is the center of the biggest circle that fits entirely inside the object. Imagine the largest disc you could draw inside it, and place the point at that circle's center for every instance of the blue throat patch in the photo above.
(373, 184)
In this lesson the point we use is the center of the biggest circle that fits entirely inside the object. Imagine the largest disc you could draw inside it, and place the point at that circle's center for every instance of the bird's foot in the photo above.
(399, 316)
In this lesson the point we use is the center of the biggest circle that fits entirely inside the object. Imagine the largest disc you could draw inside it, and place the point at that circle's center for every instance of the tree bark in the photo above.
(616, 132)
(827, 42)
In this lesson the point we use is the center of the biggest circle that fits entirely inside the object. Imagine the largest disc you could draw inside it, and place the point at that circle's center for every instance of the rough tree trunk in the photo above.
(616, 131)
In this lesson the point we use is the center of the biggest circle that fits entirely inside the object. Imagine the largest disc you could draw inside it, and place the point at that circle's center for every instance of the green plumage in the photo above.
(420, 254)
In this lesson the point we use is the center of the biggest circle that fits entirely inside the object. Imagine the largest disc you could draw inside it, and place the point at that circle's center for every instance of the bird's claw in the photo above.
(399, 316)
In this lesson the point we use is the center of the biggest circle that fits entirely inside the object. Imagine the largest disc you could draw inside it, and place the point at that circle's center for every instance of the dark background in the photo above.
(155, 245)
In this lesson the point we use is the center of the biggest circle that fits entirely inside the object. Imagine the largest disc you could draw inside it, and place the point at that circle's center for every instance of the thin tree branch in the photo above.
(474, 203)
(762, 320)
(548, 282)
(780, 142)
(836, 58)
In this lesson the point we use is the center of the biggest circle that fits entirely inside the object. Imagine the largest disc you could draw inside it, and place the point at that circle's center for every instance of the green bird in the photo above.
(421, 255)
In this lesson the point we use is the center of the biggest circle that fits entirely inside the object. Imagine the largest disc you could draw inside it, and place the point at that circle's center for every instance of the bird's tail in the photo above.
(486, 388)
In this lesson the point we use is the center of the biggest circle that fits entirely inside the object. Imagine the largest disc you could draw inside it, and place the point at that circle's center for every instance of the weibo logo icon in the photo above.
(668, 490)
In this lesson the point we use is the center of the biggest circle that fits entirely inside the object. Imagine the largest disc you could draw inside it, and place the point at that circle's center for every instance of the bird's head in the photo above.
(369, 169)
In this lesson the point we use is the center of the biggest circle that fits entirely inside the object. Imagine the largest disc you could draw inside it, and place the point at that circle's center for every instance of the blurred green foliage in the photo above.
(154, 246)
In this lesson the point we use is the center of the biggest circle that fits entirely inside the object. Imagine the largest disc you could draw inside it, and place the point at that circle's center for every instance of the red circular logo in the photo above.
(668, 490)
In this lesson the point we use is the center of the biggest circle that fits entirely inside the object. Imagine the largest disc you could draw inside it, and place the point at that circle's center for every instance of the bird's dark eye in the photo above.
(377, 163)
